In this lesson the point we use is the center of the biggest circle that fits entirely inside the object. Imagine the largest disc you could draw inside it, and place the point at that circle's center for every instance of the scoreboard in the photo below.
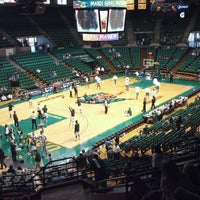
(100, 20)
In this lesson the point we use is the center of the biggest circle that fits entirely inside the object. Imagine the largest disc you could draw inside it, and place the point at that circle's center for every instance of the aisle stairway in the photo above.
(72, 192)
(157, 31)
(112, 68)
(184, 57)
(130, 33)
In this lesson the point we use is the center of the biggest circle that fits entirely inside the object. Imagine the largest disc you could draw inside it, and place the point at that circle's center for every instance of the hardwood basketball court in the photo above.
(93, 121)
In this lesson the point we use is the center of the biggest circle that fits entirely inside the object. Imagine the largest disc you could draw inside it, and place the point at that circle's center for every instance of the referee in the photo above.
(33, 120)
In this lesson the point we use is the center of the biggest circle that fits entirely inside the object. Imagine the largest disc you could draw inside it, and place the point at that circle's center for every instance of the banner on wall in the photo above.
(99, 4)
(101, 37)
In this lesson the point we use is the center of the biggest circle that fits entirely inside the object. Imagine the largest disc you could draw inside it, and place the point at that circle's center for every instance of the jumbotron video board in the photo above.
(100, 20)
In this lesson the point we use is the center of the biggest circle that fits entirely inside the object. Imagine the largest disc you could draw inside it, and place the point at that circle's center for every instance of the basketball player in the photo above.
(72, 111)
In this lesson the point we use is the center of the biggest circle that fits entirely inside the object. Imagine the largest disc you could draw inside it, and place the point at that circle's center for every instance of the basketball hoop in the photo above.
(148, 63)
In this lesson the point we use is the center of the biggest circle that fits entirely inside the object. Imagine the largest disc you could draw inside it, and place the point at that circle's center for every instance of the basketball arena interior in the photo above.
(100, 99)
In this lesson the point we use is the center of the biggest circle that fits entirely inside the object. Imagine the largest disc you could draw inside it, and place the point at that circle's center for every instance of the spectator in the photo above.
(144, 104)
(135, 155)
(48, 47)
(50, 160)
(107, 144)
(139, 188)
(171, 77)
(37, 160)
(191, 172)
(159, 114)
(156, 157)
(183, 194)
(11, 169)
(144, 130)
(81, 162)
(178, 123)
(71, 166)
(172, 178)
(99, 168)
(117, 139)
(6, 131)
(2, 158)
(13, 148)
(128, 112)
(116, 151)
(128, 169)
(38, 71)
(10, 96)
(110, 153)
(4, 98)
(153, 102)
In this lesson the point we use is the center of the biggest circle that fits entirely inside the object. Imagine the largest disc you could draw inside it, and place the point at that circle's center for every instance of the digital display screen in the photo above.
(104, 20)
(100, 20)
(87, 20)
(116, 20)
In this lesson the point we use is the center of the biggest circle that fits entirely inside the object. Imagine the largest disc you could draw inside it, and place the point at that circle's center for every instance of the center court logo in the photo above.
(99, 98)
